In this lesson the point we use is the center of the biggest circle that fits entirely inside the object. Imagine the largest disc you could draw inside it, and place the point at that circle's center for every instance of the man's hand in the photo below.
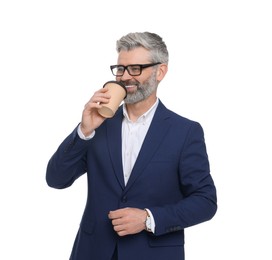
(128, 221)
(91, 119)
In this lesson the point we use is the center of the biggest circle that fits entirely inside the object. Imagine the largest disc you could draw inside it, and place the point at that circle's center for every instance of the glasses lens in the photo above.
(118, 70)
(134, 70)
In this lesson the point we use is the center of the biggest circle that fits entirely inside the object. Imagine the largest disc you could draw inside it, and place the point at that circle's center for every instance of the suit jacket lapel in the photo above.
(114, 136)
(157, 130)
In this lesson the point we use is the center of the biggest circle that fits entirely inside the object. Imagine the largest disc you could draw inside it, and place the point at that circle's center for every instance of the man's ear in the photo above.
(161, 72)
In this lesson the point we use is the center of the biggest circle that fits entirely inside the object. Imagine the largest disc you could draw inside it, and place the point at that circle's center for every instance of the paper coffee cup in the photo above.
(118, 92)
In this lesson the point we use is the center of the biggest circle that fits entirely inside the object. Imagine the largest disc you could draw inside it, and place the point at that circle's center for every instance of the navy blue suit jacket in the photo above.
(171, 177)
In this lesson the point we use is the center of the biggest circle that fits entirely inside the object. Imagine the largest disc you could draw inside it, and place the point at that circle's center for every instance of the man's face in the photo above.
(142, 86)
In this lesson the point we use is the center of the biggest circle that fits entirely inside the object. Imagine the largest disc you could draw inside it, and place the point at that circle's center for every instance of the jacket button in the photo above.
(124, 199)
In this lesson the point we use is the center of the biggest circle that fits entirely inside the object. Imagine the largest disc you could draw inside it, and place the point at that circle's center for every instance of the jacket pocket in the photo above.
(172, 239)
(87, 225)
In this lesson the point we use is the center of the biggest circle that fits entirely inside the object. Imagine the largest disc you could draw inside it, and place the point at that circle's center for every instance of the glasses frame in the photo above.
(142, 66)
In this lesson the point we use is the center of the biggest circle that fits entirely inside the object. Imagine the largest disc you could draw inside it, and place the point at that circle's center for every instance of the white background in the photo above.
(54, 54)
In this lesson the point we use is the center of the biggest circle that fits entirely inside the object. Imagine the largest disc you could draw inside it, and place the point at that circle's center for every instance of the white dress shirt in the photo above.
(133, 134)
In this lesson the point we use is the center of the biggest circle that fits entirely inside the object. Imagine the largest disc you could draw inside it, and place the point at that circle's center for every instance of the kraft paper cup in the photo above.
(118, 92)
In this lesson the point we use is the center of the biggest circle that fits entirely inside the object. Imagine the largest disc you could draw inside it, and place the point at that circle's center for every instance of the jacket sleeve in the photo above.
(199, 202)
(68, 162)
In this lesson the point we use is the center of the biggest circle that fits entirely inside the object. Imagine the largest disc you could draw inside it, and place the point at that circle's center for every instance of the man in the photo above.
(147, 167)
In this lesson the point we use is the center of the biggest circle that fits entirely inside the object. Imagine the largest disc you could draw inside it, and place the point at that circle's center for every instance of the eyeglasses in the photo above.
(133, 69)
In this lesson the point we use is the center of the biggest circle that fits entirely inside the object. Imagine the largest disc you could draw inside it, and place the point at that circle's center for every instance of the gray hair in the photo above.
(150, 41)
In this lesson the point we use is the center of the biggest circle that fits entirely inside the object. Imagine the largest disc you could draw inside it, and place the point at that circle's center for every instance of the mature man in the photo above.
(148, 169)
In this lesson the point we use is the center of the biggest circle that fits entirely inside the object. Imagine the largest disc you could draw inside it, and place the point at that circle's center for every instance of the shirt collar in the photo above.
(147, 115)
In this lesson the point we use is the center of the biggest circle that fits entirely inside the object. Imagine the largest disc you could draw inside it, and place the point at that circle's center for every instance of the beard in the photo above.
(143, 91)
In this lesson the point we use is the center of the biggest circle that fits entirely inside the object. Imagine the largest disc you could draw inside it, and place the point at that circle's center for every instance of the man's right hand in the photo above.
(91, 119)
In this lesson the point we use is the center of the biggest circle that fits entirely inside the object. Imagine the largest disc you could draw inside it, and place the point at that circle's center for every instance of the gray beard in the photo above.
(143, 91)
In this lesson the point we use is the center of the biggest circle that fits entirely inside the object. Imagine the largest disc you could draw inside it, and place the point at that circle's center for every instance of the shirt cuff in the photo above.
(151, 220)
(82, 136)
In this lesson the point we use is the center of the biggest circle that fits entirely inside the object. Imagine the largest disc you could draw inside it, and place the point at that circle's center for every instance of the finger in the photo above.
(101, 98)
(102, 91)
(115, 214)
(117, 222)
(119, 228)
(122, 233)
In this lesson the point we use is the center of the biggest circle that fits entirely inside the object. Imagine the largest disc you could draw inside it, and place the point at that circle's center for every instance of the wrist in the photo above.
(84, 136)
(86, 131)
(148, 222)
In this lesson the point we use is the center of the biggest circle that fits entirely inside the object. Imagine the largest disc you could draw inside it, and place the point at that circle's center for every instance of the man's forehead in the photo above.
(136, 56)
